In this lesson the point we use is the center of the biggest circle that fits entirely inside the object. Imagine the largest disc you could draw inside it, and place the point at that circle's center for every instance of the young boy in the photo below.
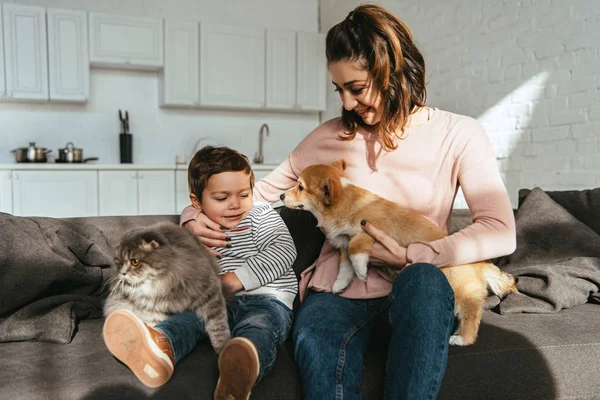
(257, 265)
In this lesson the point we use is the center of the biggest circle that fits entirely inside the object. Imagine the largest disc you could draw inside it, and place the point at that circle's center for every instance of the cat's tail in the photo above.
(499, 282)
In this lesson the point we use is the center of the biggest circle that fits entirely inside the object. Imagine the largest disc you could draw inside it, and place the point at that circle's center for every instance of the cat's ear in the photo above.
(153, 244)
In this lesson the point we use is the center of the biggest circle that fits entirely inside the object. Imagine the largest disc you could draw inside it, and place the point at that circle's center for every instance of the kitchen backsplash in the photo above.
(159, 134)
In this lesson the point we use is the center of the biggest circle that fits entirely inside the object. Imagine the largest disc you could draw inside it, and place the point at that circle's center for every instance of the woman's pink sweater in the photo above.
(423, 174)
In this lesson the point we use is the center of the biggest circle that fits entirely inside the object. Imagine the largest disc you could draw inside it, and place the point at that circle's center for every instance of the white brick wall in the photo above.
(529, 70)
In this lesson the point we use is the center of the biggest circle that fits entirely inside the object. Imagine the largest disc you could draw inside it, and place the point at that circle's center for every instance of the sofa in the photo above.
(52, 348)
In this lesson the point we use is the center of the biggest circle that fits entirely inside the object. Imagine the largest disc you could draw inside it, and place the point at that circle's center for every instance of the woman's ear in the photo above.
(195, 202)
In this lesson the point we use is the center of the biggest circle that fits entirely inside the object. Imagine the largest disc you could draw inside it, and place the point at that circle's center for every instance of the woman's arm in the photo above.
(492, 233)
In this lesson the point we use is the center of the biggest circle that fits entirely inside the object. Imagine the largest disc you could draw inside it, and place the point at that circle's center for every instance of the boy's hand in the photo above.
(231, 280)
(207, 232)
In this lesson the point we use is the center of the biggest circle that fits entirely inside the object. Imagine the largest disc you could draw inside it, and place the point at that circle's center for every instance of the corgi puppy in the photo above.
(339, 206)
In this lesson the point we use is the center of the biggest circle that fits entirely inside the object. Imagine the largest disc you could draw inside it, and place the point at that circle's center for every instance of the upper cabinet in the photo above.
(232, 66)
(46, 54)
(281, 69)
(68, 58)
(312, 71)
(126, 42)
(25, 57)
(2, 75)
(179, 81)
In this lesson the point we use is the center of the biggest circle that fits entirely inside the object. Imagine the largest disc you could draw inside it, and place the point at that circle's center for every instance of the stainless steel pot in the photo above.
(31, 154)
(72, 154)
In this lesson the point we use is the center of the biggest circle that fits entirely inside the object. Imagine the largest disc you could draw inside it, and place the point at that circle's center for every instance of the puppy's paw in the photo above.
(338, 286)
(456, 340)
(359, 263)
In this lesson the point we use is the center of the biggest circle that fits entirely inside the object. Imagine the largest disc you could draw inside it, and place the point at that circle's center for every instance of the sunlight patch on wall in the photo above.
(508, 124)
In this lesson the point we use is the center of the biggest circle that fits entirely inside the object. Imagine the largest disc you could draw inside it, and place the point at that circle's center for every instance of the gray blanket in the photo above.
(52, 272)
(557, 260)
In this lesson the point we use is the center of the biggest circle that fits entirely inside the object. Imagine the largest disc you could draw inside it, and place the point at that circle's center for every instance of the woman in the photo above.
(418, 156)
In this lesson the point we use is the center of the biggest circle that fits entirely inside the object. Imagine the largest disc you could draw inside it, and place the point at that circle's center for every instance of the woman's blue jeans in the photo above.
(263, 320)
(331, 334)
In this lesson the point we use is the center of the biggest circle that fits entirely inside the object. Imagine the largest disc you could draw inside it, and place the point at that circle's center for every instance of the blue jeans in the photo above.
(264, 320)
(331, 334)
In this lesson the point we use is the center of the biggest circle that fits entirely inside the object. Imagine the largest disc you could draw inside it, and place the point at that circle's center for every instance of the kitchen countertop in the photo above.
(125, 167)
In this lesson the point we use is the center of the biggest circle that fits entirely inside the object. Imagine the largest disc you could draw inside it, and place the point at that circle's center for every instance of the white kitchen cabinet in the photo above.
(2, 75)
(179, 81)
(312, 72)
(6, 191)
(68, 58)
(232, 66)
(117, 193)
(281, 69)
(55, 193)
(25, 53)
(118, 41)
(156, 191)
(182, 193)
(131, 192)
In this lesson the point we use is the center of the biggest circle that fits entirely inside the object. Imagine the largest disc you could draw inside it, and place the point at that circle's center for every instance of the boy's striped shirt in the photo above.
(262, 255)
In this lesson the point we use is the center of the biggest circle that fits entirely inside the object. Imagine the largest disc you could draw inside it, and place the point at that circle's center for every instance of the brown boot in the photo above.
(146, 351)
(238, 370)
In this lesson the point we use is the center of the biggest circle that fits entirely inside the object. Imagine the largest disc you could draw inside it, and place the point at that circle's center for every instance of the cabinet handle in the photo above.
(127, 61)
(2, 94)
(141, 176)
(16, 177)
(134, 175)
(10, 94)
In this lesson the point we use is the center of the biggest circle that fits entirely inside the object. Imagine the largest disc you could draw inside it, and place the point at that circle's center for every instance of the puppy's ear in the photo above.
(326, 189)
(341, 164)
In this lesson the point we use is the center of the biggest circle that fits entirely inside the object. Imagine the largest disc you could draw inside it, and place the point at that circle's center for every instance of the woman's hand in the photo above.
(385, 249)
(207, 232)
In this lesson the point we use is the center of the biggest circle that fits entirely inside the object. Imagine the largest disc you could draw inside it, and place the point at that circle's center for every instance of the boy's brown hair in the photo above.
(211, 160)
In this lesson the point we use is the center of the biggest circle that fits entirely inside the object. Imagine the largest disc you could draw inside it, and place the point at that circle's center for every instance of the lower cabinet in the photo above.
(58, 194)
(63, 193)
(6, 191)
(143, 192)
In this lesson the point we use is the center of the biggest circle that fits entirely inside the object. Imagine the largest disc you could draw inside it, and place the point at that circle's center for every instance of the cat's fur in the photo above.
(164, 270)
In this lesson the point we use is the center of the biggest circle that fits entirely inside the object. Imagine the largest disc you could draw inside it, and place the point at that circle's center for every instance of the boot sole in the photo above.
(129, 341)
(235, 380)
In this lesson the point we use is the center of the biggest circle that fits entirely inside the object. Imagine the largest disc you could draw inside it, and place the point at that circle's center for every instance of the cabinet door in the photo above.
(2, 76)
(312, 71)
(281, 69)
(6, 192)
(182, 194)
(181, 75)
(232, 66)
(118, 192)
(120, 42)
(156, 192)
(25, 52)
(57, 194)
(68, 59)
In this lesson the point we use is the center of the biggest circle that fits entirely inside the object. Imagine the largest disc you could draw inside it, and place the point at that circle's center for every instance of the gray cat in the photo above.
(164, 270)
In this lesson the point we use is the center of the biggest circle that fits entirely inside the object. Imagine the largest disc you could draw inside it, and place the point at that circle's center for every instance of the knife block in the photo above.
(126, 148)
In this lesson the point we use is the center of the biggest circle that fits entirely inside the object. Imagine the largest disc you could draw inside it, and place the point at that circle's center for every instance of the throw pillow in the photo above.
(557, 260)
(582, 204)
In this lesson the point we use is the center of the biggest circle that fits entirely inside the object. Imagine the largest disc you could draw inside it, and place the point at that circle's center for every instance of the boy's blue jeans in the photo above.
(262, 319)
(331, 334)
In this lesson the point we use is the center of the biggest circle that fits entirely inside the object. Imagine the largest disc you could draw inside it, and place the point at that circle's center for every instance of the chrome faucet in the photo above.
(258, 157)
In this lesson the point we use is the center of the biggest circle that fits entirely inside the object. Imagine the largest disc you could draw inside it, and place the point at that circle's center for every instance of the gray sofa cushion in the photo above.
(582, 204)
(557, 260)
